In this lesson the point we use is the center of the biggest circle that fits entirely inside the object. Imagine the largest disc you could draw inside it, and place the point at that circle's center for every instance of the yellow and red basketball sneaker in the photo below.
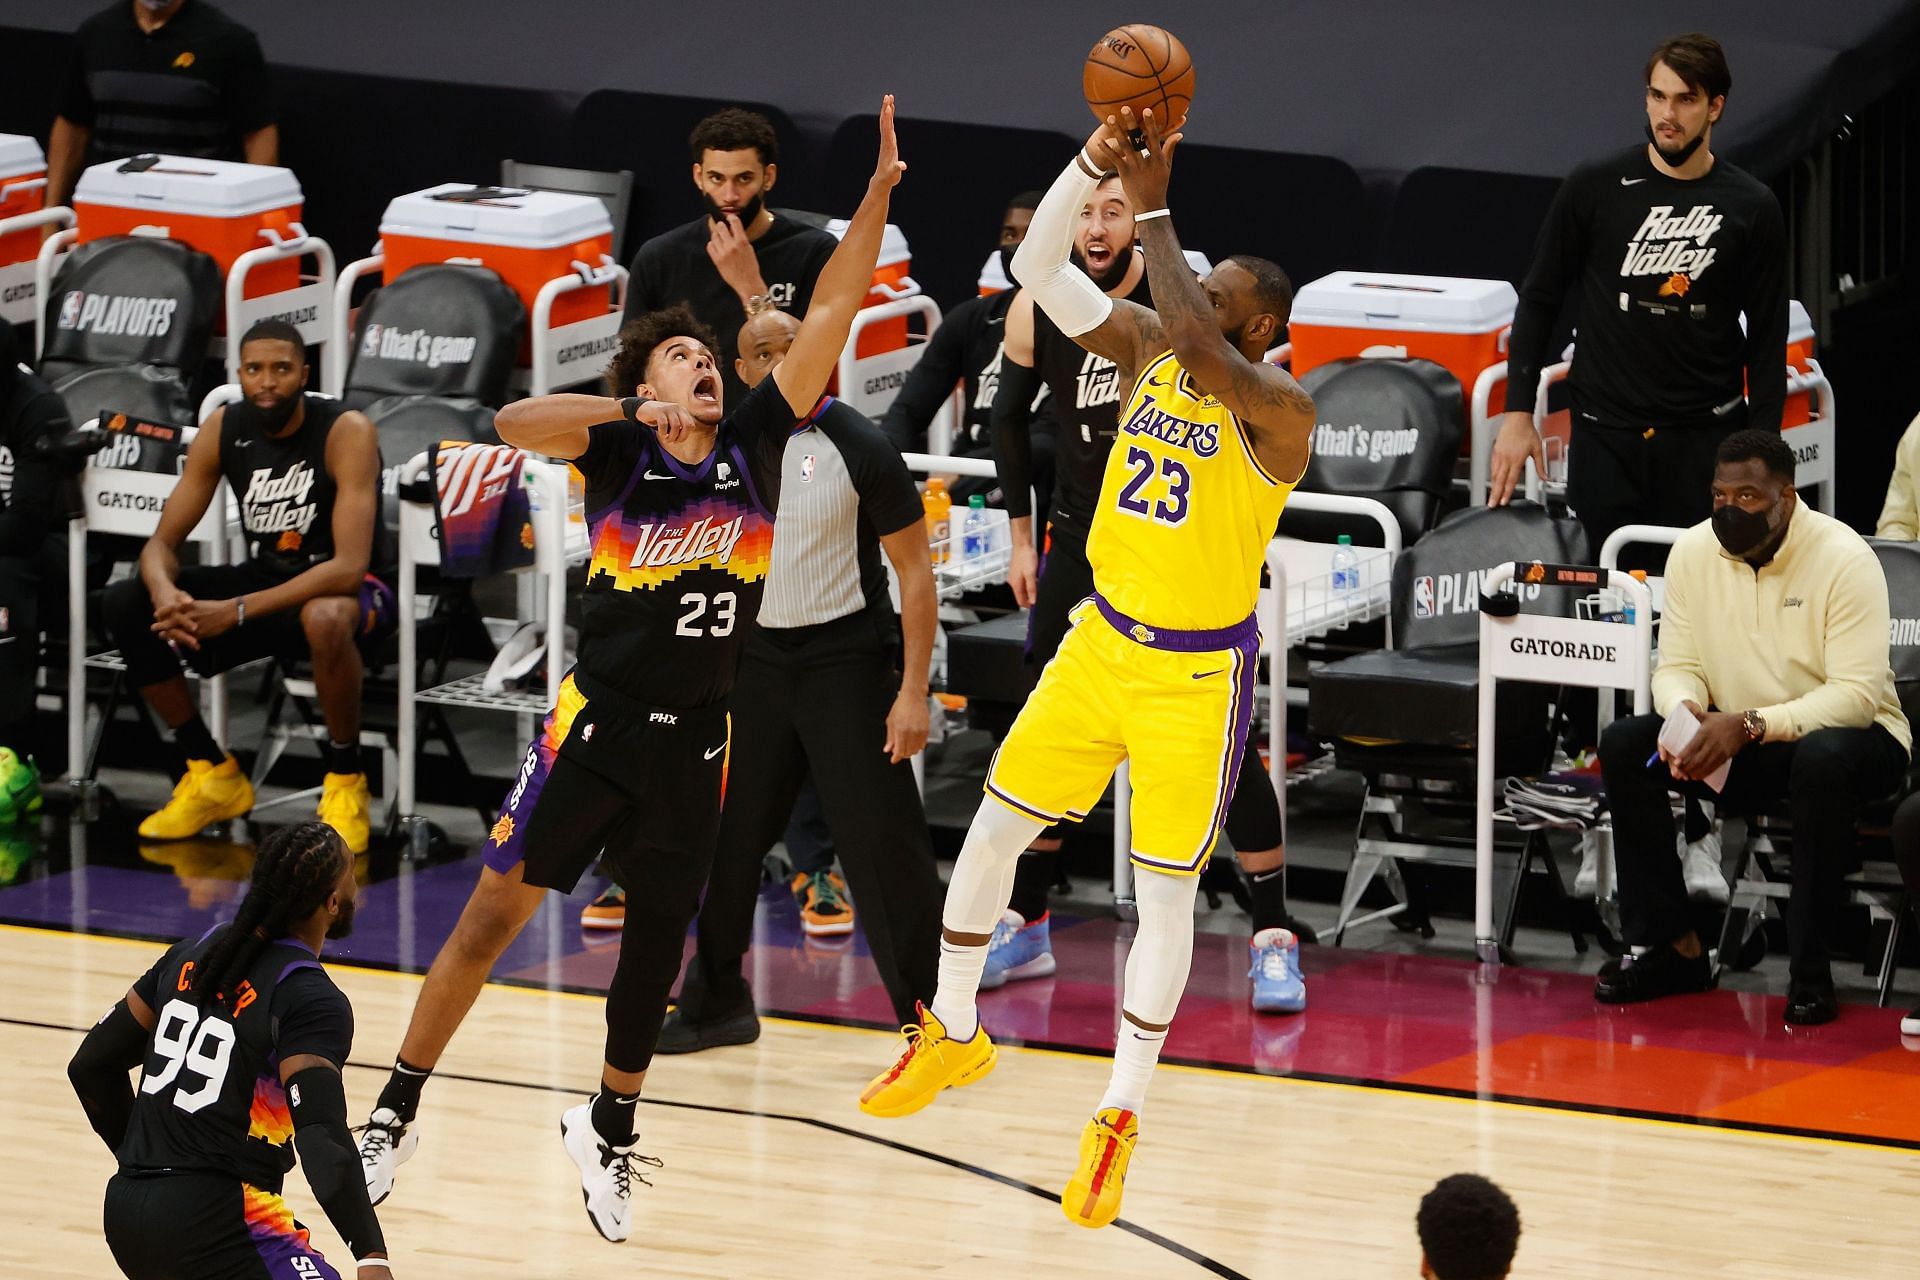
(1092, 1198)
(929, 1062)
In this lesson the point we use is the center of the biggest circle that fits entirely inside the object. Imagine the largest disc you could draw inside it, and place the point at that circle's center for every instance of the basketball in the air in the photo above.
(1139, 66)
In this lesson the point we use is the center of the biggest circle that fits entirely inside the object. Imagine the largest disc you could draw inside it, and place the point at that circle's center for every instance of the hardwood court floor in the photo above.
(771, 1171)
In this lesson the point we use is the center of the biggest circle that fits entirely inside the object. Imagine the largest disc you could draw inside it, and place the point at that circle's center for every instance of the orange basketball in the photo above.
(1139, 66)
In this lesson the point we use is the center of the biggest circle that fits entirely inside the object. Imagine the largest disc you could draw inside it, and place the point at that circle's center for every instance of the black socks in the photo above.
(196, 741)
(613, 1116)
(402, 1094)
(343, 757)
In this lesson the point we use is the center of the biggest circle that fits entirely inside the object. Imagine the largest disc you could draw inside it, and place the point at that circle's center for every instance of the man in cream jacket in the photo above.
(1774, 636)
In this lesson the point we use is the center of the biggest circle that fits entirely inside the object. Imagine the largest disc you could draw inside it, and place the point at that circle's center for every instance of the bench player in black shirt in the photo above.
(1664, 246)
(632, 760)
(305, 474)
(239, 1036)
(1086, 394)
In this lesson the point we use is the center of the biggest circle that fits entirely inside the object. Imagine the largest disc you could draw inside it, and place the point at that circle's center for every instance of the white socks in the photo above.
(1157, 966)
(960, 970)
(976, 896)
(1135, 1054)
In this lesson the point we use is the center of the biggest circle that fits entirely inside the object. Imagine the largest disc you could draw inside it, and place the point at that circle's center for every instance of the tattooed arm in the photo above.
(1276, 409)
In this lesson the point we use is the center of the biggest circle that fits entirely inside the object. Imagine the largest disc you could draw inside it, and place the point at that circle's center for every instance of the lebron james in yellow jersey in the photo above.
(1159, 667)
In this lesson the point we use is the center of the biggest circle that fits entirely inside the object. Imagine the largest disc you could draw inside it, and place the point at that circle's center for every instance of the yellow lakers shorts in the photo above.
(1175, 704)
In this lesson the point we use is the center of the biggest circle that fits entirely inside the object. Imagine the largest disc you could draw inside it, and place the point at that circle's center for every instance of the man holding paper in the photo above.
(1773, 688)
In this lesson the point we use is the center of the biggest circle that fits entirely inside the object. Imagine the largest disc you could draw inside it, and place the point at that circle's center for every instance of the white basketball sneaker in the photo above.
(607, 1174)
(1700, 866)
(385, 1145)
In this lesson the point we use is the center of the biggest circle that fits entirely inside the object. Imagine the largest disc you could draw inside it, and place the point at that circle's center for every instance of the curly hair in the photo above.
(638, 341)
(735, 129)
(1469, 1228)
(293, 872)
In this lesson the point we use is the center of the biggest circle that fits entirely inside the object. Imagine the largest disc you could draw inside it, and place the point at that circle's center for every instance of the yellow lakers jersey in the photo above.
(1186, 510)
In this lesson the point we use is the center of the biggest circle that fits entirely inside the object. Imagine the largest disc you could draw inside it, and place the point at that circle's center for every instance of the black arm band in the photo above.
(332, 1161)
(1011, 421)
(99, 1068)
(630, 407)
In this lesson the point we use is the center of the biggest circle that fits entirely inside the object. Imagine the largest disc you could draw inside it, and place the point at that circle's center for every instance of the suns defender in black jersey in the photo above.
(239, 1036)
(680, 497)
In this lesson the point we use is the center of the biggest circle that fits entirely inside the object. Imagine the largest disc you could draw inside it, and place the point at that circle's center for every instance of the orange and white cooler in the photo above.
(525, 237)
(23, 190)
(1799, 358)
(1460, 324)
(892, 281)
(221, 207)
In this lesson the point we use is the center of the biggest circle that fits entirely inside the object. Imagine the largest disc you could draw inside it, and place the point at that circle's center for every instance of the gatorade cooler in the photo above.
(1462, 325)
(525, 237)
(1798, 410)
(220, 207)
(23, 190)
(892, 281)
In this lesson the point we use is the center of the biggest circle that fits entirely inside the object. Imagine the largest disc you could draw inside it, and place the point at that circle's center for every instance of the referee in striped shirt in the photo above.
(833, 684)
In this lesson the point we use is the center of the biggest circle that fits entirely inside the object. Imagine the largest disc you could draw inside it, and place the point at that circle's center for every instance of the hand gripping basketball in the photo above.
(1145, 170)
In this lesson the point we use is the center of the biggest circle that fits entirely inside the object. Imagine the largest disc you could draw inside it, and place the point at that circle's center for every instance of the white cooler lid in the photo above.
(893, 242)
(511, 217)
(190, 185)
(1799, 323)
(20, 154)
(1385, 300)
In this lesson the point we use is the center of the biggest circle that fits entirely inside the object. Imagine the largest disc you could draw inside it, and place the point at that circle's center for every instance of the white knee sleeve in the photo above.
(983, 874)
(1162, 950)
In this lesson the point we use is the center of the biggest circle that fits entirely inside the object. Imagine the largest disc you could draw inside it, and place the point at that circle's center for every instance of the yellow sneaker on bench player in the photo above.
(345, 805)
(1092, 1197)
(206, 793)
(929, 1062)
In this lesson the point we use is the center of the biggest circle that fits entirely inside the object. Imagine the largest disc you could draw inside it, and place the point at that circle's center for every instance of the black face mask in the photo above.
(1679, 156)
(1006, 259)
(343, 923)
(1741, 531)
(747, 214)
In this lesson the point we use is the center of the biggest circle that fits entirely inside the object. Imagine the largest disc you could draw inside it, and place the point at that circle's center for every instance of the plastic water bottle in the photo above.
(973, 529)
(1630, 611)
(1346, 567)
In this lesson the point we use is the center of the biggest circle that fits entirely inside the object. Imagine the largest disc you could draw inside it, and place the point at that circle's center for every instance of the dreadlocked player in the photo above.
(239, 1036)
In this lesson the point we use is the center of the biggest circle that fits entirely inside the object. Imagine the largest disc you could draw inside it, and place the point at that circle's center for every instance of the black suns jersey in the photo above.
(210, 1098)
(680, 552)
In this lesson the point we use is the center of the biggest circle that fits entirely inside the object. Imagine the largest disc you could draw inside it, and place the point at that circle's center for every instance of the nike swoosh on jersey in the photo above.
(1631, 182)
(716, 751)
(1202, 675)
(655, 475)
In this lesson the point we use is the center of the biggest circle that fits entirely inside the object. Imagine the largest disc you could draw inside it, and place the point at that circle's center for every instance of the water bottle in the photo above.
(938, 505)
(973, 529)
(1346, 567)
(1630, 612)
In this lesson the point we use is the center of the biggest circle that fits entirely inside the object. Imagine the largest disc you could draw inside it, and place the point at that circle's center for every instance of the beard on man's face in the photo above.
(1116, 270)
(746, 213)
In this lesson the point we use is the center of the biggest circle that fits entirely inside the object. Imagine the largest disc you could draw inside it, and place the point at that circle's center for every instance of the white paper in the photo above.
(1678, 731)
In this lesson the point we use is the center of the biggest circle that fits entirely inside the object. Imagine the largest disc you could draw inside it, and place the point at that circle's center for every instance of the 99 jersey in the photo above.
(679, 552)
(210, 1098)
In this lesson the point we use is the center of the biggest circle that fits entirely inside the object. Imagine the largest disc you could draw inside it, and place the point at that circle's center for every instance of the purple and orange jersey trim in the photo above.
(505, 843)
(280, 1241)
(724, 532)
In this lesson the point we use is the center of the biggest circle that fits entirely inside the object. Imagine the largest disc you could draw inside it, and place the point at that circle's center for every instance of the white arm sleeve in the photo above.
(1042, 266)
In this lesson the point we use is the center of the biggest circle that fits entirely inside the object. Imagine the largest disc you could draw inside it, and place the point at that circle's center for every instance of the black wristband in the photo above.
(630, 407)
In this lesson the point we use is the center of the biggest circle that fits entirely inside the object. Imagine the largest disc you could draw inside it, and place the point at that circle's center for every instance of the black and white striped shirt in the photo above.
(843, 487)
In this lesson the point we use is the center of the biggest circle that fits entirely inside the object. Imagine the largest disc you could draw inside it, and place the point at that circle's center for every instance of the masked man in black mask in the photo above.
(1775, 639)
(1664, 247)
(305, 475)
(967, 351)
(739, 258)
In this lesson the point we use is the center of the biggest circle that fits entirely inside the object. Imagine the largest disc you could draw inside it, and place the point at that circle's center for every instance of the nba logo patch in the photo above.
(6, 620)
(806, 468)
(370, 341)
(586, 734)
(70, 309)
(1423, 597)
